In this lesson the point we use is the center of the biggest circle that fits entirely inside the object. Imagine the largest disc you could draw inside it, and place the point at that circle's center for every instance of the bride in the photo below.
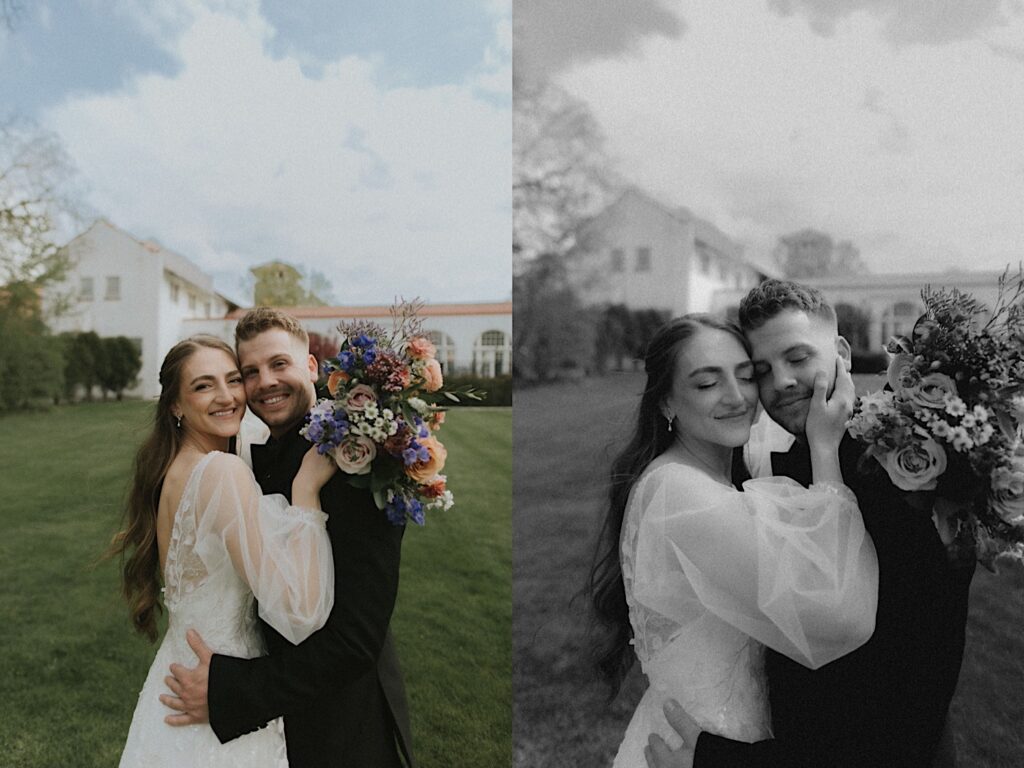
(197, 522)
(695, 577)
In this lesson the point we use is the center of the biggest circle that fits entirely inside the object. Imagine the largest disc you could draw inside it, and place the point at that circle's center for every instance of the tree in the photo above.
(84, 358)
(552, 330)
(810, 253)
(281, 285)
(119, 364)
(33, 167)
(560, 174)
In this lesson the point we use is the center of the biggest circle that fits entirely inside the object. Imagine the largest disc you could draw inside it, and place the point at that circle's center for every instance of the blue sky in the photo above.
(368, 141)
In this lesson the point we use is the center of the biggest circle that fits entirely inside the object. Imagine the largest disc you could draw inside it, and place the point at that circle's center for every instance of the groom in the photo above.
(884, 704)
(340, 691)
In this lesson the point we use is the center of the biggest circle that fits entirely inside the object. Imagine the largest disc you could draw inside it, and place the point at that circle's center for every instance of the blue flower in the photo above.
(369, 356)
(409, 456)
(416, 511)
(347, 360)
(364, 342)
(396, 509)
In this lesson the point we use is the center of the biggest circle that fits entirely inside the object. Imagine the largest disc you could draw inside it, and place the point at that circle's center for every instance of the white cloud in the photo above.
(766, 128)
(240, 158)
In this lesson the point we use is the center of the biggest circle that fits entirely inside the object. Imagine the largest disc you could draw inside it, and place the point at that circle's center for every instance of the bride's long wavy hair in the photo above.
(136, 542)
(613, 655)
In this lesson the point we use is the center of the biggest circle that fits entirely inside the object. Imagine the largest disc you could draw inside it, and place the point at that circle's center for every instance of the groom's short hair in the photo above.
(260, 319)
(773, 296)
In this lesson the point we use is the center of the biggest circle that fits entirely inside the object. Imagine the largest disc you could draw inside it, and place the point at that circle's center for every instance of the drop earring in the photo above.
(179, 422)
(669, 420)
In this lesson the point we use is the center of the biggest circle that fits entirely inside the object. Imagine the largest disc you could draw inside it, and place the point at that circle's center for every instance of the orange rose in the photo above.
(421, 348)
(432, 376)
(424, 471)
(437, 419)
(335, 380)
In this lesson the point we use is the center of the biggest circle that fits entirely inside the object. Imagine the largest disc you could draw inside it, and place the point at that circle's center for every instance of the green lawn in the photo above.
(564, 441)
(71, 667)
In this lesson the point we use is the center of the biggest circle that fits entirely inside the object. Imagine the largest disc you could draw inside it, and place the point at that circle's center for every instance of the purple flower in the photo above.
(409, 456)
(347, 360)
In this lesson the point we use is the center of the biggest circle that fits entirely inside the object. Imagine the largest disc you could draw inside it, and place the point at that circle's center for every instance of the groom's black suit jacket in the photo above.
(885, 703)
(340, 691)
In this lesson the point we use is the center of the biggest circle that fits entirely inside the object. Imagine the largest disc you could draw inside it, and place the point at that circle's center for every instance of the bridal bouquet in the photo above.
(952, 420)
(381, 417)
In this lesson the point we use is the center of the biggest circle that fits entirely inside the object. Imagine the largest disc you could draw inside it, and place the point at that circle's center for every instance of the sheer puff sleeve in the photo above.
(791, 567)
(282, 552)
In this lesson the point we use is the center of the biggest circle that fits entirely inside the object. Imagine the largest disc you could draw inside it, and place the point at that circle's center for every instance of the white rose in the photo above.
(916, 466)
(1008, 505)
(931, 391)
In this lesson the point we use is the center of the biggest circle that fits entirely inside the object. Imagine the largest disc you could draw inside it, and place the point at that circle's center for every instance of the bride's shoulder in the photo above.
(677, 477)
(217, 466)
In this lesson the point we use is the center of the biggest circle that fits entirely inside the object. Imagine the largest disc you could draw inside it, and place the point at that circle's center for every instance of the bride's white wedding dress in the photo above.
(229, 542)
(712, 575)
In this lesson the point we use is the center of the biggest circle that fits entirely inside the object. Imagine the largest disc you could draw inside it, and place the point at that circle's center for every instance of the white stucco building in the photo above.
(469, 337)
(891, 301)
(120, 285)
(646, 255)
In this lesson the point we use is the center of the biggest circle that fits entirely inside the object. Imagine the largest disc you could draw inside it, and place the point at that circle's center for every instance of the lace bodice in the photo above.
(712, 575)
(228, 542)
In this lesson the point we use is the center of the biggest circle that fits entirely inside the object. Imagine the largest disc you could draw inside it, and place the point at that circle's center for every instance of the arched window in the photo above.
(899, 319)
(445, 350)
(491, 354)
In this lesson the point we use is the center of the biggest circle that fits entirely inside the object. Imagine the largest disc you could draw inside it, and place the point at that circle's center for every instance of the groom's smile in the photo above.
(279, 373)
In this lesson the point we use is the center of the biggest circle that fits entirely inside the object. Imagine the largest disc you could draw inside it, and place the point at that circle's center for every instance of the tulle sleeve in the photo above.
(282, 552)
(790, 566)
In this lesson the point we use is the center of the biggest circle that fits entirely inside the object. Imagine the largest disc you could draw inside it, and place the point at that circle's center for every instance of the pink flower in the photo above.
(421, 348)
(360, 396)
(916, 466)
(355, 454)
(432, 376)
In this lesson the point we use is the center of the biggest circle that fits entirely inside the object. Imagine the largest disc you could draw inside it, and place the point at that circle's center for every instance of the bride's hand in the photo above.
(828, 414)
(657, 752)
(314, 474)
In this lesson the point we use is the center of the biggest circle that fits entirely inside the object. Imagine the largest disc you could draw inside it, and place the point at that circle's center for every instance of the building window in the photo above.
(174, 292)
(705, 263)
(206, 308)
(618, 260)
(643, 259)
(85, 289)
(445, 350)
(723, 272)
(113, 288)
(491, 354)
(192, 302)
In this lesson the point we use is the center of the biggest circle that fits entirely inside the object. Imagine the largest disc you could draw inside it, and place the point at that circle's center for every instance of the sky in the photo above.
(370, 142)
(895, 124)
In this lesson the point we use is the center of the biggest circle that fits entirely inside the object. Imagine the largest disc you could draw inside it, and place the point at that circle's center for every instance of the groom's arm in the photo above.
(244, 694)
